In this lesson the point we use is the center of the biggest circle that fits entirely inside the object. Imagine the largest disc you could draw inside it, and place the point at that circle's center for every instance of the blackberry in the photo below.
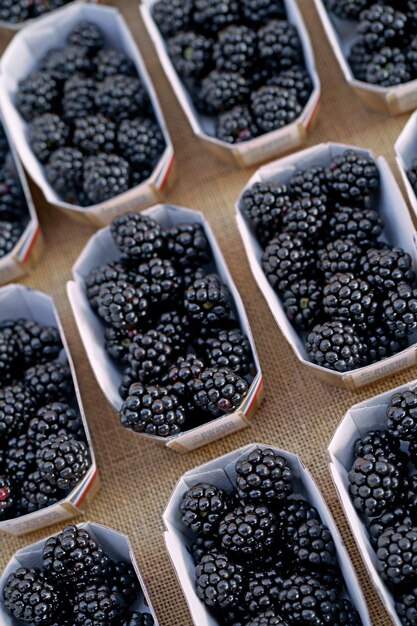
(285, 260)
(7, 496)
(374, 484)
(265, 205)
(12, 199)
(235, 49)
(303, 303)
(64, 171)
(88, 36)
(267, 618)
(221, 91)
(191, 274)
(307, 601)
(382, 26)
(380, 443)
(311, 183)
(153, 411)
(346, 614)
(40, 7)
(105, 176)
(29, 596)
(10, 233)
(138, 619)
(187, 245)
(9, 356)
(98, 605)
(263, 476)
(274, 107)
(172, 16)
(293, 514)
(335, 345)
(183, 373)
(37, 343)
(411, 56)
(397, 555)
(202, 507)
(14, 12)
(122, 578)
(230, 348)
(62, 63)
(36, 94)
(391, 518)
(353, 177)
(279, 45)
(117, 342)
(62, 461)
(78, 98)
(17, 407)
(236, 125)
(248, 531)
(4, 146)
(174, 325)
(305, 218)
(207, 301)
(74, 557)
(218, 581)
(258, 12)
(219, 391)
(20, 457)
(201, 546)
(141, 141)
(399, 311)
(388, 67)
(121, 305)
(412, 174)
(348, 9)
(36, 494)
(385, 269)
(128, 379)
(262, 590)
(150, 355)
(191, 54)
(402, 415)
(359, 59)
(212, 16)
(98, 276)
(109, 62)
(49, 382)
(406, 606)
(350, 300)
(119, 97)
(313, 546)
(94, 133)
(137, 236)
(297, 80)
(55, 419)
(339, 256)
(363, 226)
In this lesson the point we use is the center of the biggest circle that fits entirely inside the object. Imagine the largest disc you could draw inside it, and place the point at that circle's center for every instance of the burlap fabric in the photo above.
(299, 413)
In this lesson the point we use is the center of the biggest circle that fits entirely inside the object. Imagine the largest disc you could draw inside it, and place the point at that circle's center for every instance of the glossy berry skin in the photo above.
(286, 260)
(339, 256)
(397, 554)
(230, 348)
(399, 311)
(406, 606)
(267, 618)
(122, 578)
(248, 531)
(121, 305)
(303, 303)
(221, 91)
(380, 443)
(262, 590)
(62, 462)
(191, 54)
(313, 545)
(97, 605)
(30, 597)
(201, 507)
(153, 411)
(385, 269)
(274, 107)
(353, 177)
(307, 600)
(293, 513)
(381, 26)
(335, 345)
(263, 476)
(235, 49)
(172, 16)
(218, 580)
(392, 518)
(351, 300)
(138, 237)
(236, 126)
(402, 415)
(187, 245)
(219, 391)
(279, 45)
(207, 301)
(265, 205)
(150, 356)
(375, 484)
(49, 382)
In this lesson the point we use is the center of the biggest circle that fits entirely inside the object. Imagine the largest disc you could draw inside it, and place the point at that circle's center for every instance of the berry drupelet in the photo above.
(55, 419)
(213, 16)
(111, 62)
(353, 177)
(17, 407)
(172, 16)
(262, 590)
(121, 305)
(64, 170)
(362, 226)
(119, 97)
(305, 218)
(382, 26)
(313, 546)
(351, 300)
(304, 595)
(347, 9)
(207, 301)
(36, 494)
(105, 273)
(387, 268)
(397, 554)
(388, 67)
(63, 63)
(78, 98)
(97, 604)
(150, 355)
(297, 80)
(49, 382)
(259, 12)
(399, 312)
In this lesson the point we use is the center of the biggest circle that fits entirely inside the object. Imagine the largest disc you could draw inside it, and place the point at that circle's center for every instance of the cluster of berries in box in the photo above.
(78, 584)
(14, 213)
(351, 295)
(384, 48)
(383, 488)
(17, 11)
(170, 322)
(90, 120)
(241, 61)
(43, 449)
(262, 555)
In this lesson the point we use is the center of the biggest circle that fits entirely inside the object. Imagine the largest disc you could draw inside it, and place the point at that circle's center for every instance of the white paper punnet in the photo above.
(221, 472)
(406, 152)
(261, 148)
(399, 230)
(17, 302)
(361, 418)
(114, 543)
(102, 249)
(23, 55)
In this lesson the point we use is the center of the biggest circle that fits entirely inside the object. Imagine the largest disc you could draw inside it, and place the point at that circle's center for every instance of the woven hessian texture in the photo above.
(299, 413)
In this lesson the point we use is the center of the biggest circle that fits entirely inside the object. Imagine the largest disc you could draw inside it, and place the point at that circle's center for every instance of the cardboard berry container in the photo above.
(399, 230)
(23, 55)
(17, 302)
(406, 152)
(341, 34)
(259, 149)
(359, 419)
(102, 249)
(114, 543)
(29, 247)
(221, 472)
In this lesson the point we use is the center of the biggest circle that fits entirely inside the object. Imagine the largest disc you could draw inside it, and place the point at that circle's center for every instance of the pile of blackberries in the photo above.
(18, 11)
(383, 488)
(90, 121)
(351, 295)
(171, 324)
(242, 63)
(384, 48)
(262, 554)
(77, 584)
(43, 447)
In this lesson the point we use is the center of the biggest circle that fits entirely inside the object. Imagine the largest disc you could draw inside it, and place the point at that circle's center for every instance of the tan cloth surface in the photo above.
(299, 413)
